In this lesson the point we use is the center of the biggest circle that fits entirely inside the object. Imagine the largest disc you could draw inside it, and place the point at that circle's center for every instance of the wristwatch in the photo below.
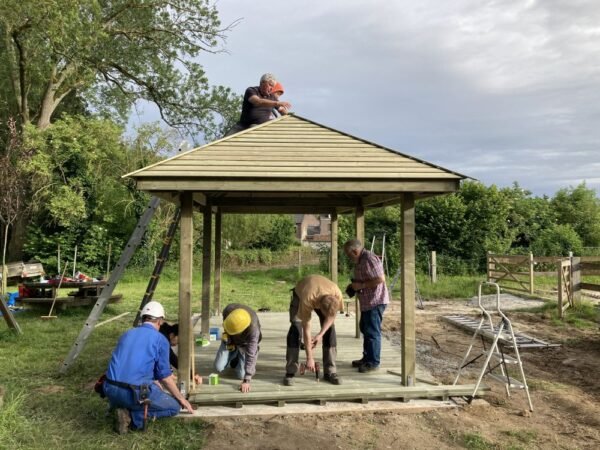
(245, 381)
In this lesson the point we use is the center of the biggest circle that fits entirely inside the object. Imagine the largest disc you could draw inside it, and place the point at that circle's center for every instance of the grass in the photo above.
(474, 441)
(43, 409)
(584, 315)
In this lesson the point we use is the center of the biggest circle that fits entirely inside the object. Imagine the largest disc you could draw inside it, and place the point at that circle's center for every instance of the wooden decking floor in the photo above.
(267, 387)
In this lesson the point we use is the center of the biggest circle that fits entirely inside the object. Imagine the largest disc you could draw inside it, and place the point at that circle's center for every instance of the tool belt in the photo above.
(140, 392)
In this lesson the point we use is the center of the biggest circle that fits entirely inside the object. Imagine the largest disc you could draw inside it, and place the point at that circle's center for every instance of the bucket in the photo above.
(214, 333)
(12, 297)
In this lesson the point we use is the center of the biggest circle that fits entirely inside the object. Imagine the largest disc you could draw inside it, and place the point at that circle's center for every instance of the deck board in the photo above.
(267, 384)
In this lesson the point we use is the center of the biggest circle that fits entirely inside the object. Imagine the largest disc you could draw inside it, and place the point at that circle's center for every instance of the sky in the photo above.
(501, 91)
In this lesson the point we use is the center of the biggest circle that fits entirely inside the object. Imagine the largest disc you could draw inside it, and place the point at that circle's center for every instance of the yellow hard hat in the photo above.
(237, 321)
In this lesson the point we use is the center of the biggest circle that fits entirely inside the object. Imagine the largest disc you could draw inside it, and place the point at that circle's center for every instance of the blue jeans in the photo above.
(224, 358)
(370, 327)
(161, 403)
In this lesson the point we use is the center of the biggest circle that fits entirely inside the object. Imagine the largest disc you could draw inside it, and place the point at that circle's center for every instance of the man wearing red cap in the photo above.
(257, 105)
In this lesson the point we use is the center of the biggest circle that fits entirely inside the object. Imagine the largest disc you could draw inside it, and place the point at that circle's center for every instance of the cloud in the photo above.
(499, 90)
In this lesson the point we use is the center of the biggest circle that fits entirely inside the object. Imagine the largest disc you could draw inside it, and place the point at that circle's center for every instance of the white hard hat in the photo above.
(153, 309)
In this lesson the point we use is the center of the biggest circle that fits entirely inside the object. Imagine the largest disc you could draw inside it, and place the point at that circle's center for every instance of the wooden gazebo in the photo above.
(291, 165)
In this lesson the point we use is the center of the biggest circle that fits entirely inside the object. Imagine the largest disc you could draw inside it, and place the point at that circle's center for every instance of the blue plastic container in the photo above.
(12, 297)
(214, 333)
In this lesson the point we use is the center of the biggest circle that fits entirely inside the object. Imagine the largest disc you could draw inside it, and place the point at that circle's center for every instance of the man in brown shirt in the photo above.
(321, 295)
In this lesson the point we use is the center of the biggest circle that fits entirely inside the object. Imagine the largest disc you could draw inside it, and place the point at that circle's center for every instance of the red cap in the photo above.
(277, 87)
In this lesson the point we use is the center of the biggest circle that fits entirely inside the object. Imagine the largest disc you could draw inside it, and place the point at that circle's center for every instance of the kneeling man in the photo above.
(239, 345)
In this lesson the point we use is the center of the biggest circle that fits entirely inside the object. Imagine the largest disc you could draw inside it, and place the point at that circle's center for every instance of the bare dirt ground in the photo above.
(564, 384)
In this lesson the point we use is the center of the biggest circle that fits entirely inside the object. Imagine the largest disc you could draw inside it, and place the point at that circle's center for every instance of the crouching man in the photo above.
(321, 295)
(138, 372)
(239, 343)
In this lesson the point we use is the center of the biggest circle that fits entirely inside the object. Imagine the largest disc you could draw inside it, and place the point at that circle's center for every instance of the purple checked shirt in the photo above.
(369, 266)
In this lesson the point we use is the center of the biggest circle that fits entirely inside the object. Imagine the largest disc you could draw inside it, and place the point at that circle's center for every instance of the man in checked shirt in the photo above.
(369, 283)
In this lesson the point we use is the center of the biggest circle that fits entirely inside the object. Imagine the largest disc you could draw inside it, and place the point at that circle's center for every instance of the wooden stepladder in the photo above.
(495, 352)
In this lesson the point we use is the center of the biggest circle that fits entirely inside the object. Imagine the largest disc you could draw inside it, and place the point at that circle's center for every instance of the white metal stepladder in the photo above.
(495, 351)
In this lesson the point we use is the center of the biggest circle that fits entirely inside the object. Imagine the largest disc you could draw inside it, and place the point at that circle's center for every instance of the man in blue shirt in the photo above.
(138, 367)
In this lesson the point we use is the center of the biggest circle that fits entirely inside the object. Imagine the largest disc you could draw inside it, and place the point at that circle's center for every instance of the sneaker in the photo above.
(358, 362)
(332, 378)
(288, 380)
(122, 420)
(367, 367)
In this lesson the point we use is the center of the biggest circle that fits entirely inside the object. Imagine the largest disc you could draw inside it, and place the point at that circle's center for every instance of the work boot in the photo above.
(358, 362)
(332, 378)
(288, 380)
(368, 367)
(122, 420)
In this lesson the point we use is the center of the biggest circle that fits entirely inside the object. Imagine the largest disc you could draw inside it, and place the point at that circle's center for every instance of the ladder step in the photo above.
(505, 380)
(507, 359)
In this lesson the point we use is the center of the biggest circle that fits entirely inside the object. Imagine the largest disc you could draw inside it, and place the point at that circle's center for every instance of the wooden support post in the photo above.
(359, 217)
(218, 263)
(434, 266)
(531, 274)
(186, 258)
(576, 278)
(334, 248)
(408, 290)
(206, 271)
(490, 267)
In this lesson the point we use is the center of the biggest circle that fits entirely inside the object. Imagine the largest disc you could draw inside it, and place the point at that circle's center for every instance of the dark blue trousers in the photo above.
(370, 327)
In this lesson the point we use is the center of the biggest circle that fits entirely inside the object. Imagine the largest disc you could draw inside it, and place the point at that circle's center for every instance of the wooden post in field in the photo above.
(108, 259)
(186, 250)
(575, 277)
(58, 260)
(531, 274)
(408, 291)
(434, 266)
(74, 260)
(490, 267)
(359, 218)
(300, 260)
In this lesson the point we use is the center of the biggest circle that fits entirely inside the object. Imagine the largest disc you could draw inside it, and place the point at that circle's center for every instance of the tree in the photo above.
(75, 174)
(580, 208)
(558, 241)
(111, 53)
(13, 188)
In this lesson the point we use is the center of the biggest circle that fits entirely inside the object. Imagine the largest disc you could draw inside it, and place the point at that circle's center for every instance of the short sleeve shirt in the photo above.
(310, 290)
(369, 266)
(140, 357)
(255, 115)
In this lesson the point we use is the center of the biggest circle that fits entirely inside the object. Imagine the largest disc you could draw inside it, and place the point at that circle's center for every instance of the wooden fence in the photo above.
(517, 273)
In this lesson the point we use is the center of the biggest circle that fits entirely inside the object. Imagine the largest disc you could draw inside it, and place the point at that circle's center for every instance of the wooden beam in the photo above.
(334, 248)
(206, 272)
(408, 291)
(186, 257)
(218, 264)
(296, 185)
(337, 393)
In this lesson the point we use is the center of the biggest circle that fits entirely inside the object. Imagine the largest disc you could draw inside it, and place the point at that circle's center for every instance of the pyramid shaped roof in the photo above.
(293, 157)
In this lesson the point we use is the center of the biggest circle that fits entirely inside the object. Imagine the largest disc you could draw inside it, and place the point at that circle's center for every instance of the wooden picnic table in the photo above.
(48, 290)
(84, 293)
